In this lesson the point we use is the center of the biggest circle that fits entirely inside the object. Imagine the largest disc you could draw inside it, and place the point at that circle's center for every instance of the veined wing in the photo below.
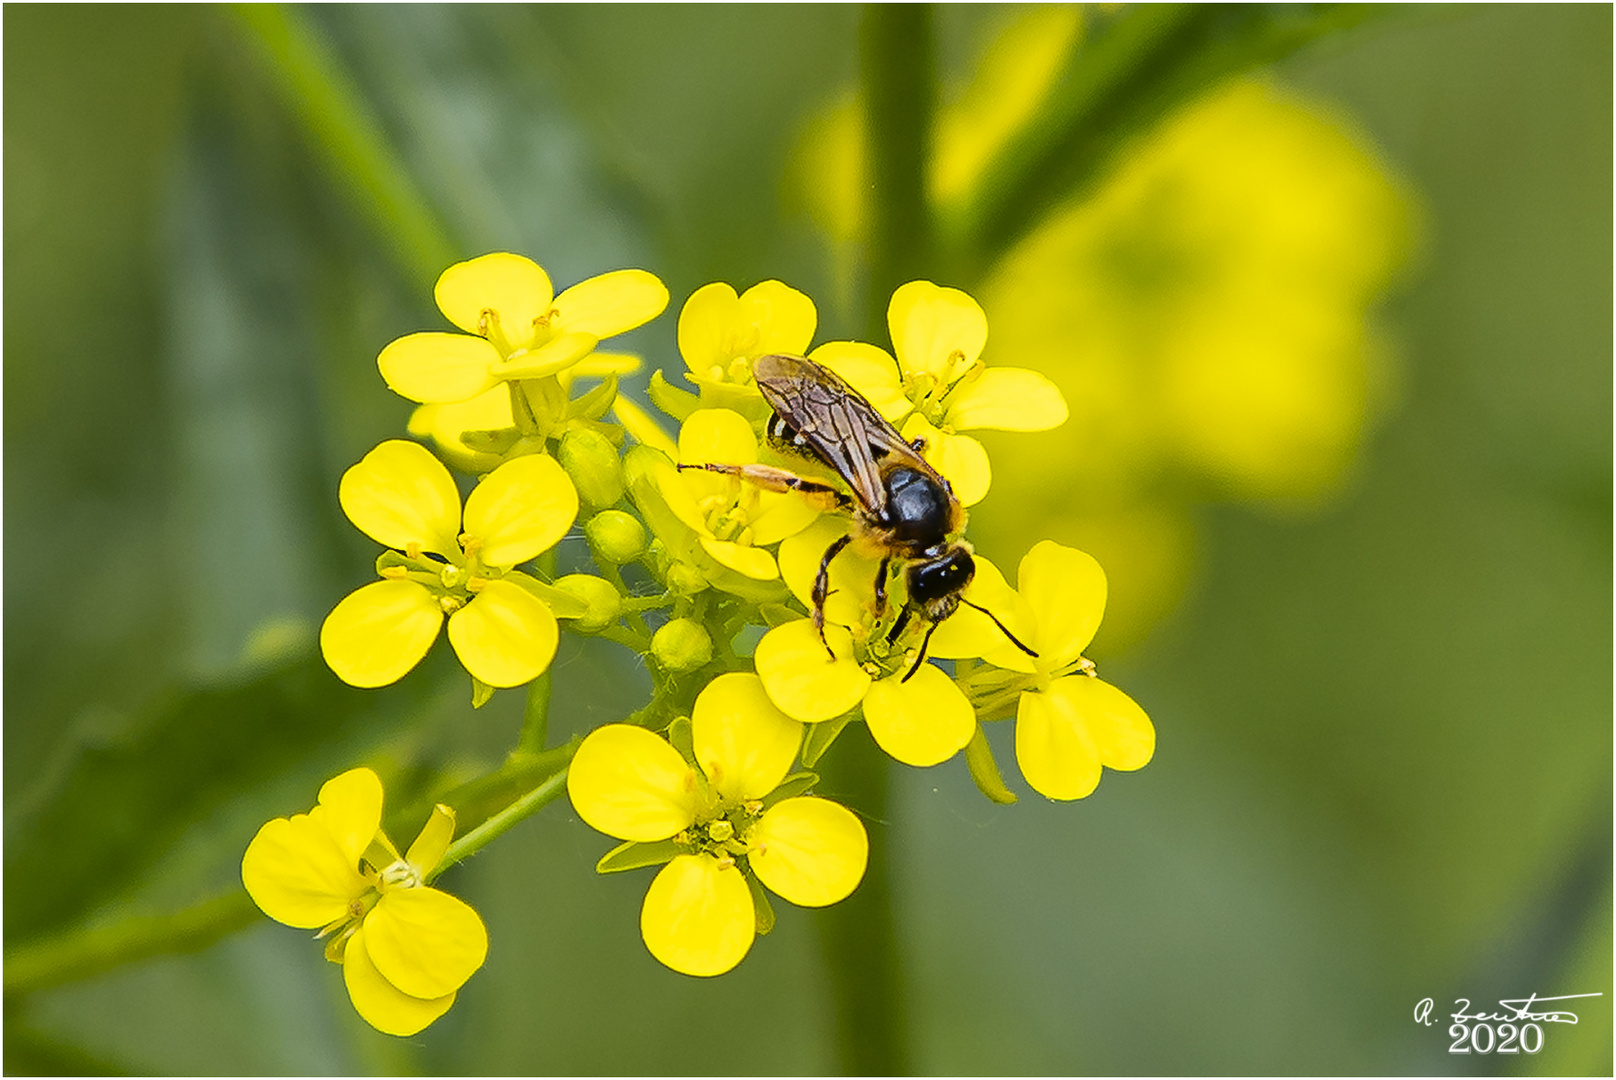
(836, 423)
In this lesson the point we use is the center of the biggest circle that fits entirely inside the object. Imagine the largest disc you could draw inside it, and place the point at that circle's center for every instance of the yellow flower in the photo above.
(405, 948)
(515, 327)
(937, 384)
(921, 719)
(733, 518)
(720, 333)
(726, 820)
(1069, 723)
(401, 496)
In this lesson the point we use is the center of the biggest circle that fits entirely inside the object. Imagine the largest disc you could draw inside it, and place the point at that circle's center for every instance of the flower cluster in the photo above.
(825, 514)
(405, 948)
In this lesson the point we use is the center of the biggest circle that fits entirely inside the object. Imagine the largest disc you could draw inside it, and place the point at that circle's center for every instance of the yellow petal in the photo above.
(868, 369)
(1122, 733)
(1065, 588)
(743, 743)
(698, 916)
(556, 355)
(719, 436)
(777, 515)
(1009, 399)
(755, 563)
(611, 303)
(506, 636)
(920, 722)
(959, 458)
(800, 676)
(936, 329)
(382, 1005)
(642, 428)
(515, 289)
(437, 367)
(399, 495)
(1054, 746)
(297, 875)
(521, 509)
(969, 632)
(811, 851)
(433, 841)
(378, 632)
(424, 941)
(717, 327)
(350, 809)
(447, 423)
(629, 783)
(852, 576)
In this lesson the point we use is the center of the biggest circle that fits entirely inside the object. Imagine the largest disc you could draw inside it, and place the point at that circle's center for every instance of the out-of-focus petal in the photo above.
(698, 916)
(553, 357)
(611, 303)
(516, 289)
(399, 495)
(424, 941)
(800, 676)
(920, 722)
(436, 367)
(1009, 399)
(505, 636)
(381, 1004)
(809, 850)
(743, 742)
(521, 509)
(639, 424)
(447, 423)
(936, 329)
(378, 632)
(629, 783)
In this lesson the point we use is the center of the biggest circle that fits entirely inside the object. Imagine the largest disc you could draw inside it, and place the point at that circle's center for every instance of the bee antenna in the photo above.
(922, 657)
(1004, 629)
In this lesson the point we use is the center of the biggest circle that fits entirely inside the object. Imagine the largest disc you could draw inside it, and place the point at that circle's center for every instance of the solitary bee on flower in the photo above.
(902, 507)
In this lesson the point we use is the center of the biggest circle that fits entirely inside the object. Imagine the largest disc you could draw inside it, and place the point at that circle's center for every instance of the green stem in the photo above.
(84, 953)
(535, 716)
(860, 934)
(496, 826)
(324, 99)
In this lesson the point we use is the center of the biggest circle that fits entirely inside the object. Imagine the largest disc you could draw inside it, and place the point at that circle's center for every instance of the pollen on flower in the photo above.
(476, 583)
(726, 862)
(413, 549)
(394, 572)
(449, 604)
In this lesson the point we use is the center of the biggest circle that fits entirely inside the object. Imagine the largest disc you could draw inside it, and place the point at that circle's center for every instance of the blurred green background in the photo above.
(1380, 678)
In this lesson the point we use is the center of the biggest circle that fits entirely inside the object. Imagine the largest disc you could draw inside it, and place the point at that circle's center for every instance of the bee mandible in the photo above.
(901, 507)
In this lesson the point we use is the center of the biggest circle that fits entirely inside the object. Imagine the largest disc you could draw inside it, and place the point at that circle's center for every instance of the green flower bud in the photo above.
(684, 579)
(615, 537)
(592, 462)
(681, 645)
(605, 603)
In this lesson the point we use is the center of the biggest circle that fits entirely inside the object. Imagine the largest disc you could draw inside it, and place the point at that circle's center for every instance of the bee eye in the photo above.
(940, 577)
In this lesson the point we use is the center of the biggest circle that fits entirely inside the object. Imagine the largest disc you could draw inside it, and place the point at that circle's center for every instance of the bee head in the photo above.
(935, 584)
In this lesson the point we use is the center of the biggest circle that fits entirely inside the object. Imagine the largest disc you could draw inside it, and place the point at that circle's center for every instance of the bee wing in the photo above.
(837, 423)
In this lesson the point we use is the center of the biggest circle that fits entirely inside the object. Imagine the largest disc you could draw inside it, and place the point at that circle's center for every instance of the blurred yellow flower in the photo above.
(721, 333)
(405, 948)
(725, 820)
(503, 632)
(515, 327)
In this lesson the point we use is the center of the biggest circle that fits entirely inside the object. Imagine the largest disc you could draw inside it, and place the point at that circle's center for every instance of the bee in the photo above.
(900, 505)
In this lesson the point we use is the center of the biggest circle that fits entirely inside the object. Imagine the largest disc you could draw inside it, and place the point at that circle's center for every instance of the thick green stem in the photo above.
(535, 716)
(860, 933)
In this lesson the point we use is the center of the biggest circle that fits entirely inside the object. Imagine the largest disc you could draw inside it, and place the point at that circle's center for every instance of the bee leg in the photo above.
(772, 479)
(822, 588)
(881, 588)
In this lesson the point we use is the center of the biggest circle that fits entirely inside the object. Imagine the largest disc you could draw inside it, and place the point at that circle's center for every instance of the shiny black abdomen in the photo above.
(918, 508)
